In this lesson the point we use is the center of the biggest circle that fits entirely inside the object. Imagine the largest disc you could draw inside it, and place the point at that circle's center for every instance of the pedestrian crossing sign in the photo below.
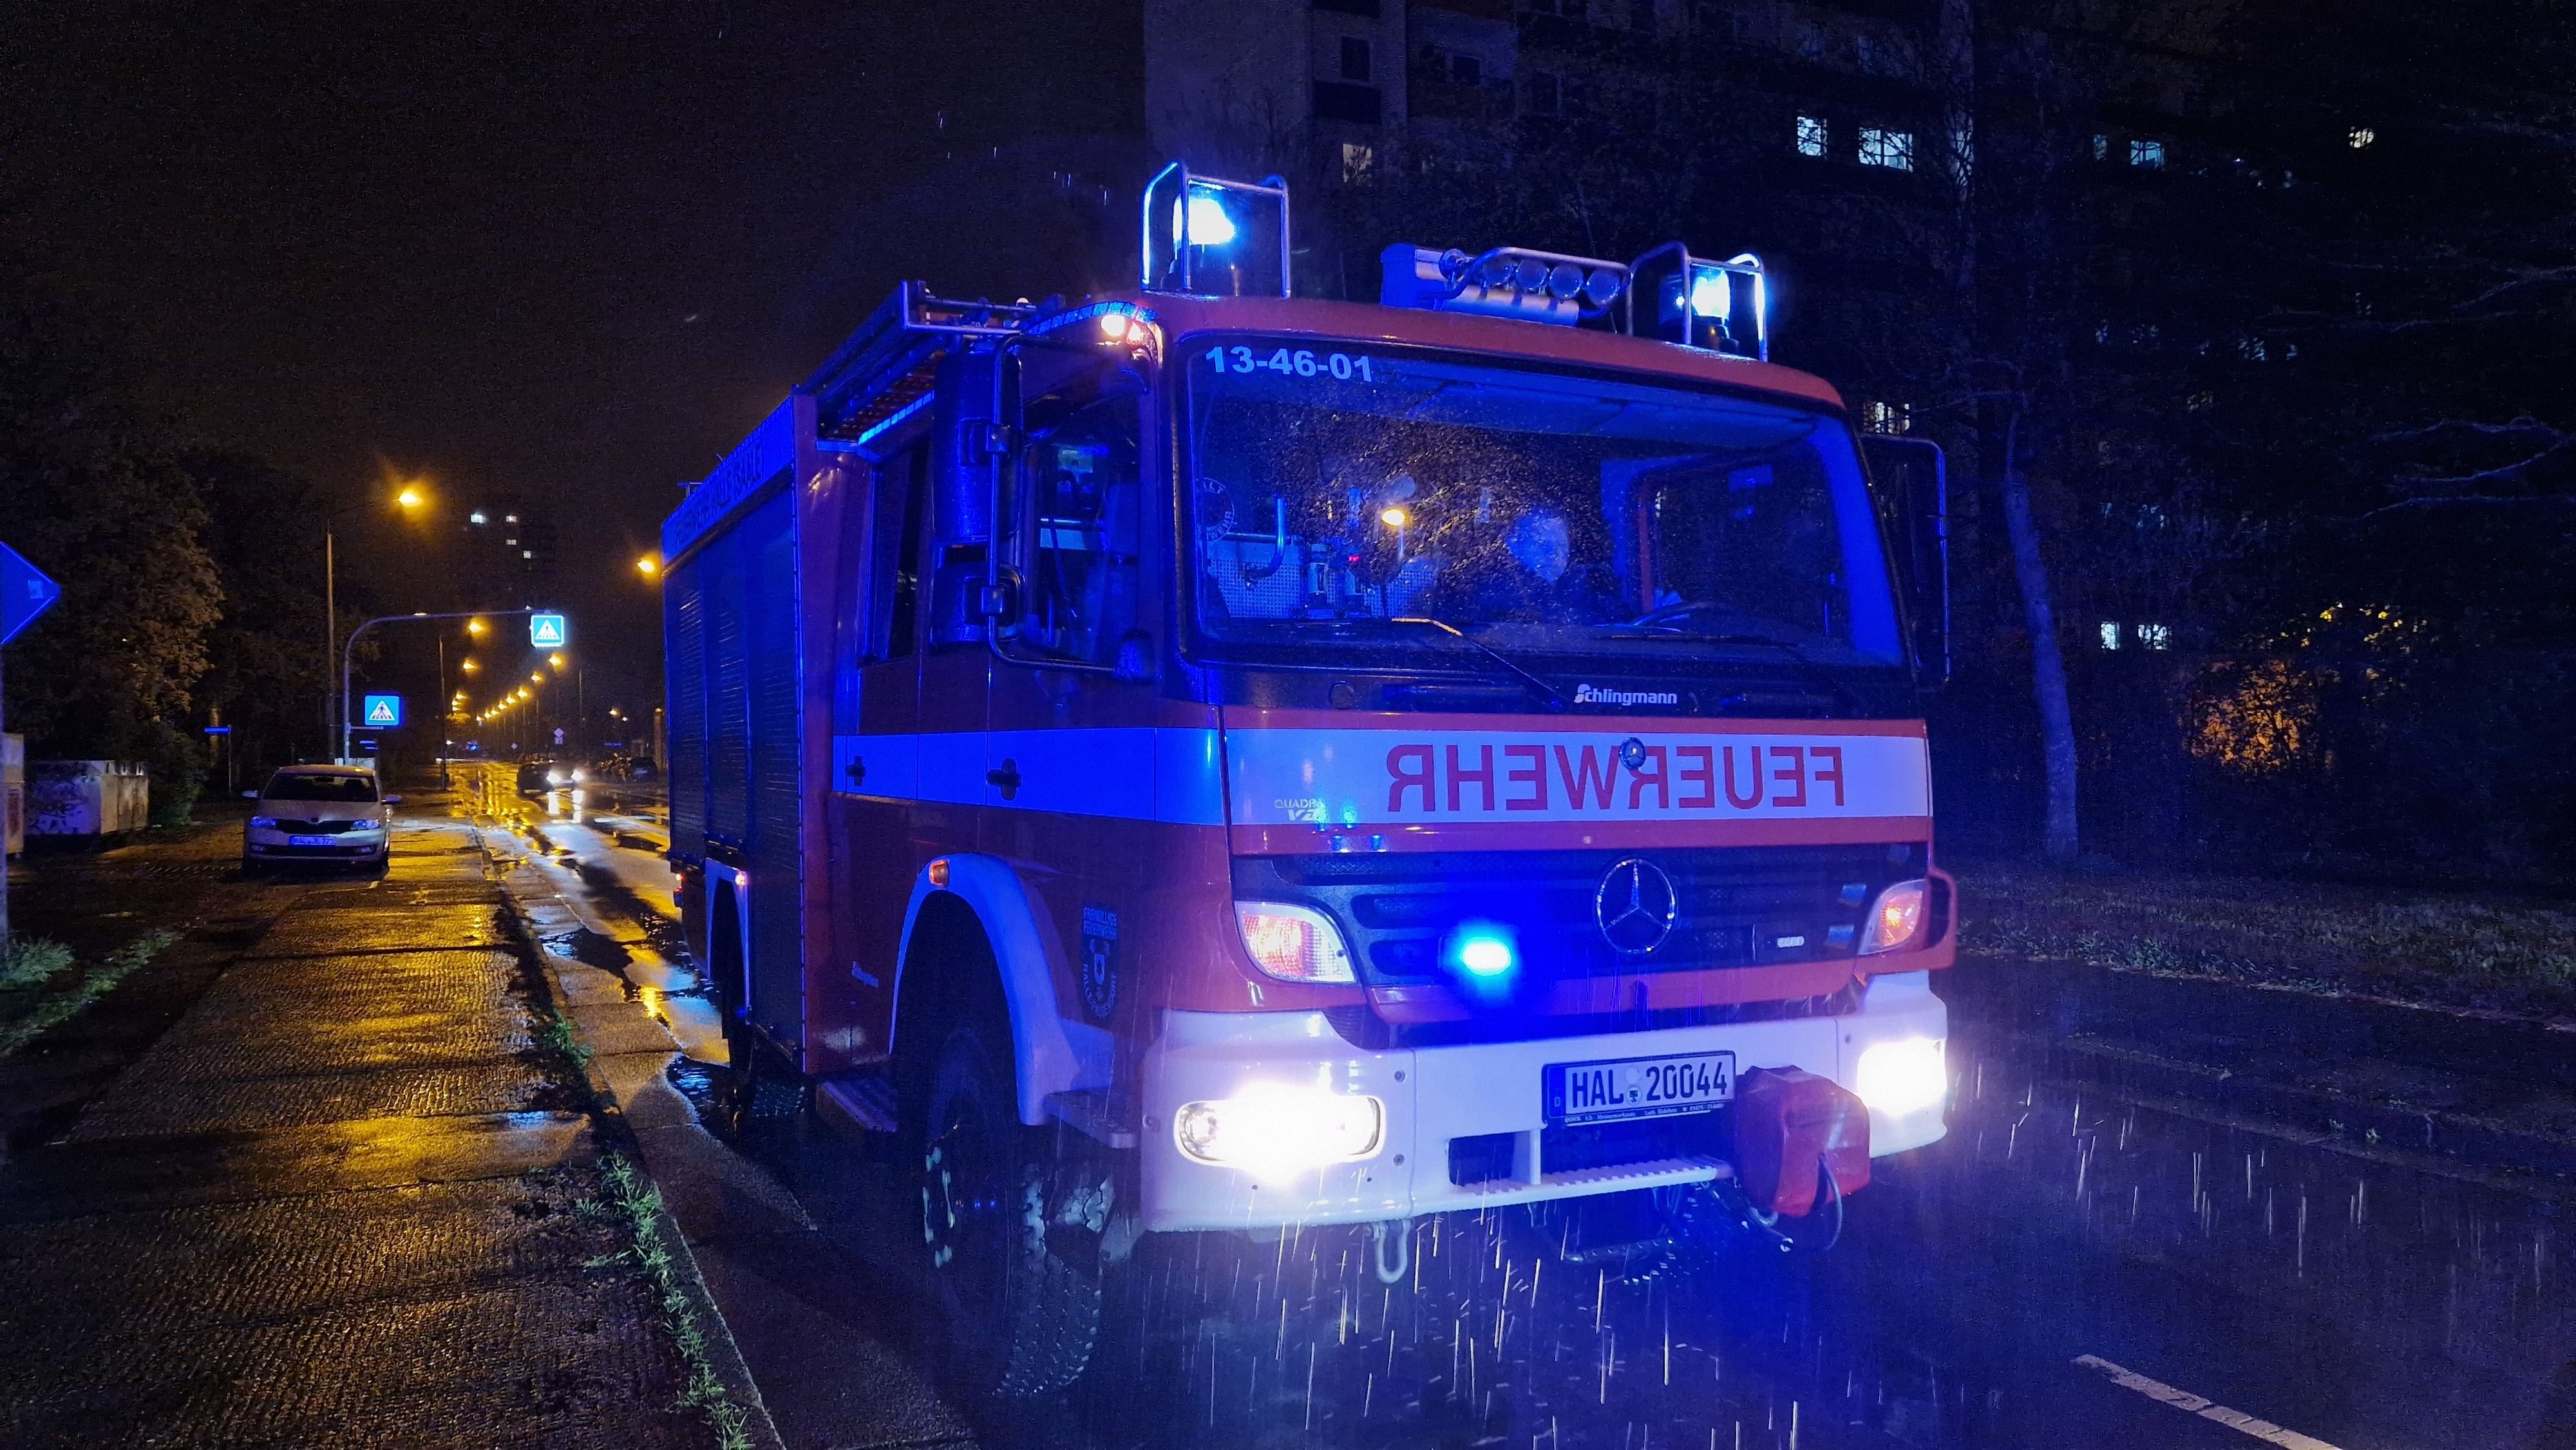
(382, 712)
(546, 631)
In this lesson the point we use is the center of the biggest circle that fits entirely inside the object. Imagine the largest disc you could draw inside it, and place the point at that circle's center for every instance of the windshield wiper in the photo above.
(1815, 673)
(1554, 697)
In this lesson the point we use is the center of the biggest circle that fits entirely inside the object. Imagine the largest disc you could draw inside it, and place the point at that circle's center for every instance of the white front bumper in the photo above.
(1435, 1094)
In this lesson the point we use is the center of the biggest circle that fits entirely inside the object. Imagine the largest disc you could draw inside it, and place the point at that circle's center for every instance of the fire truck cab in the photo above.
(1208, 759)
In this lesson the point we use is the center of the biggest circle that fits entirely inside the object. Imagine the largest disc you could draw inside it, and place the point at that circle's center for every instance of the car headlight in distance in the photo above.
(1904, 1076)
(577, 775)
(1896, 920)
(264, 822)
(1275, 1128)
(554, 777)
(1293, 943)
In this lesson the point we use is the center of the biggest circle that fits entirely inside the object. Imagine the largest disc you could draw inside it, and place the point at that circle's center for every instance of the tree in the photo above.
(266, 656)
(90, 499)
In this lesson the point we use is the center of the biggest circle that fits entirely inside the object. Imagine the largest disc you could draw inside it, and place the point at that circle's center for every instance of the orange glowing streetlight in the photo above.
(470, 667)
(476, 628)
(556, 660)
(648, 566)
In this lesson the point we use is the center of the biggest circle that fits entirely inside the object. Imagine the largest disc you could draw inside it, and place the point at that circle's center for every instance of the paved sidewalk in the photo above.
(332, 1204)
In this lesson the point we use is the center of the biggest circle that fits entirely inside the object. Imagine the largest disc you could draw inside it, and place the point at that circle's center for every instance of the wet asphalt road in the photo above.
(2068, 1268)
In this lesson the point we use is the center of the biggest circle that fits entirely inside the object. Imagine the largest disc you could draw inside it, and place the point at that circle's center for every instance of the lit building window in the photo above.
(2147, 155)
(1878, 417)
(527, 553)
(1891, 149)
(1358, 161)
(2101, 147)
(2154, 636)
(2110, 634)
(1811, 135)
(2360, 137)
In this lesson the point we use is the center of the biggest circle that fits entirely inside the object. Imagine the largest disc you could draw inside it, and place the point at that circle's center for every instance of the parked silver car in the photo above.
(320, 815)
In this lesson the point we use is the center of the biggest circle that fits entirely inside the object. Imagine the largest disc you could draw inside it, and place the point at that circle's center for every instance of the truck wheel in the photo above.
(1020, 1316)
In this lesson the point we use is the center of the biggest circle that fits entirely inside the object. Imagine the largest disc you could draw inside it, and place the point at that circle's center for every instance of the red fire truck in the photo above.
(1206, 759)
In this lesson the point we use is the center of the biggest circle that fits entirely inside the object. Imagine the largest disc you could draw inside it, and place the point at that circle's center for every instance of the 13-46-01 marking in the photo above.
(1300, 362)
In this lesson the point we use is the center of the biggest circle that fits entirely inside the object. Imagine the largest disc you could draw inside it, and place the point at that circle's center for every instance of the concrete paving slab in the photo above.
(713, 1191)
(158, 1105)
(584, 985)
(131, 1173)
(836, 1383)
(611, 1028)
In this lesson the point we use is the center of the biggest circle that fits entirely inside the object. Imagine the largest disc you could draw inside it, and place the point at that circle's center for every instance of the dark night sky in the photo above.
(572, 250)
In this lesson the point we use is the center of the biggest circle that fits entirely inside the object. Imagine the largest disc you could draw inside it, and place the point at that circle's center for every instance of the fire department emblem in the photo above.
(1099, 961)
(1634, 906)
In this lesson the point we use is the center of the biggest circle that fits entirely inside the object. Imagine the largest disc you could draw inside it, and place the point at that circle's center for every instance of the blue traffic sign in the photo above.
(383, 712)
(546, 631)
(24, 593)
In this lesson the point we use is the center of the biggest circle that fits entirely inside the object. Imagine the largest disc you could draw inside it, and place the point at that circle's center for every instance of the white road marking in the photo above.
(2185, 1400)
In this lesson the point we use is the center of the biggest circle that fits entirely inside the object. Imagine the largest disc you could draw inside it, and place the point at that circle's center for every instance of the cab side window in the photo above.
(1080, 526)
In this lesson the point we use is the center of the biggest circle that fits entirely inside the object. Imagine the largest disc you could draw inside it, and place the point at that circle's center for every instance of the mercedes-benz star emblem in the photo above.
(1635, 905)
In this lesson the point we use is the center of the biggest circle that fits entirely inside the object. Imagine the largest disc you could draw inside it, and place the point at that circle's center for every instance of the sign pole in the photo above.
(4, 806)
(25, 592)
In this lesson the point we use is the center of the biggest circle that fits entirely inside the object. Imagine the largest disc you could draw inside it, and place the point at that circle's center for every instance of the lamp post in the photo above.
(409, 499)
(348, 654)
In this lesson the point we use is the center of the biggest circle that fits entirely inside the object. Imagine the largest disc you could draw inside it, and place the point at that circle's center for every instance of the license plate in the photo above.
(1639, 1087)
(312, 840)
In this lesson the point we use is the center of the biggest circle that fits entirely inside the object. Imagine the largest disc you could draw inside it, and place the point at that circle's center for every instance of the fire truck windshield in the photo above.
(1540, 513)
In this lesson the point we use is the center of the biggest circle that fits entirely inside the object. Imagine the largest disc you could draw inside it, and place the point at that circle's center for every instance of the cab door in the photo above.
(1068, 753)
(875, 718)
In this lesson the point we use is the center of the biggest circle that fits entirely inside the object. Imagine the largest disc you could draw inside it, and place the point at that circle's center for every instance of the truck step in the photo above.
(865, 1103)
(1098, 1115)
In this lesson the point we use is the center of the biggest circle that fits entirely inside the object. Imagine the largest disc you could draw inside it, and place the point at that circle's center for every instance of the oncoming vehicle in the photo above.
(319, 815)
(540, 775)
(1188, 763)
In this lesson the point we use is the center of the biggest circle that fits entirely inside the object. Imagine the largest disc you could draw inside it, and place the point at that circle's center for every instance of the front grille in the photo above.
(1735, 906)
(1564, 1148)
(315, 828)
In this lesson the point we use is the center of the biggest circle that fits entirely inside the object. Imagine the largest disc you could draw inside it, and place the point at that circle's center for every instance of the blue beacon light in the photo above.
(1709, 294)
(1485, 956)
(1208, 223)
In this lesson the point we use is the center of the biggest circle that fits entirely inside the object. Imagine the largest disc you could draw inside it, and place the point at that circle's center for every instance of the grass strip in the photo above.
(95, 983)
(30, 962)
(629, 1200)
(558, 1036)
(2493, 952)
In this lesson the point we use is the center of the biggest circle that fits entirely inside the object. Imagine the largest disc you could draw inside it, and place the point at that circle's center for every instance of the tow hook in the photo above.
(1397, 1232)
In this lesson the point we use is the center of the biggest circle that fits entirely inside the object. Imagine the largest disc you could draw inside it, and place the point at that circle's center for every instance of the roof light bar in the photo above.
(1505, 282)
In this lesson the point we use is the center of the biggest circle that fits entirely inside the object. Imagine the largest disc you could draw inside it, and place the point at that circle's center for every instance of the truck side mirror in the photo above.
(1913, 481)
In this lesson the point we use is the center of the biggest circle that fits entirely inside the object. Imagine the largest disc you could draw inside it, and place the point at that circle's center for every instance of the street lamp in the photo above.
(648, 566)
(470, 667)
(409, 500)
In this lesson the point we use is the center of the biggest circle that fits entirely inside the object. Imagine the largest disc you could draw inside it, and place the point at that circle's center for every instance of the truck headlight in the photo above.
(1903, 1077)
(1896, 920)
(1293, 943)
(1273, 1128)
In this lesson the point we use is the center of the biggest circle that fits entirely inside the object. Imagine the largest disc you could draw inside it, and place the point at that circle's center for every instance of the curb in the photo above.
(616, 1133)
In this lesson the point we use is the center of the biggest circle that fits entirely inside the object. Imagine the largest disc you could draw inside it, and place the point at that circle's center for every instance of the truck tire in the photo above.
(1020, 1306)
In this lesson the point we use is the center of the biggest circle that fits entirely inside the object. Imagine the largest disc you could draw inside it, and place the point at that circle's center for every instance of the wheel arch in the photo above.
(1049, 1054)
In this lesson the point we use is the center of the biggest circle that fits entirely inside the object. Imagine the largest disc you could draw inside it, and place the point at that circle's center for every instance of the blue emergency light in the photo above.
(1486, 957)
